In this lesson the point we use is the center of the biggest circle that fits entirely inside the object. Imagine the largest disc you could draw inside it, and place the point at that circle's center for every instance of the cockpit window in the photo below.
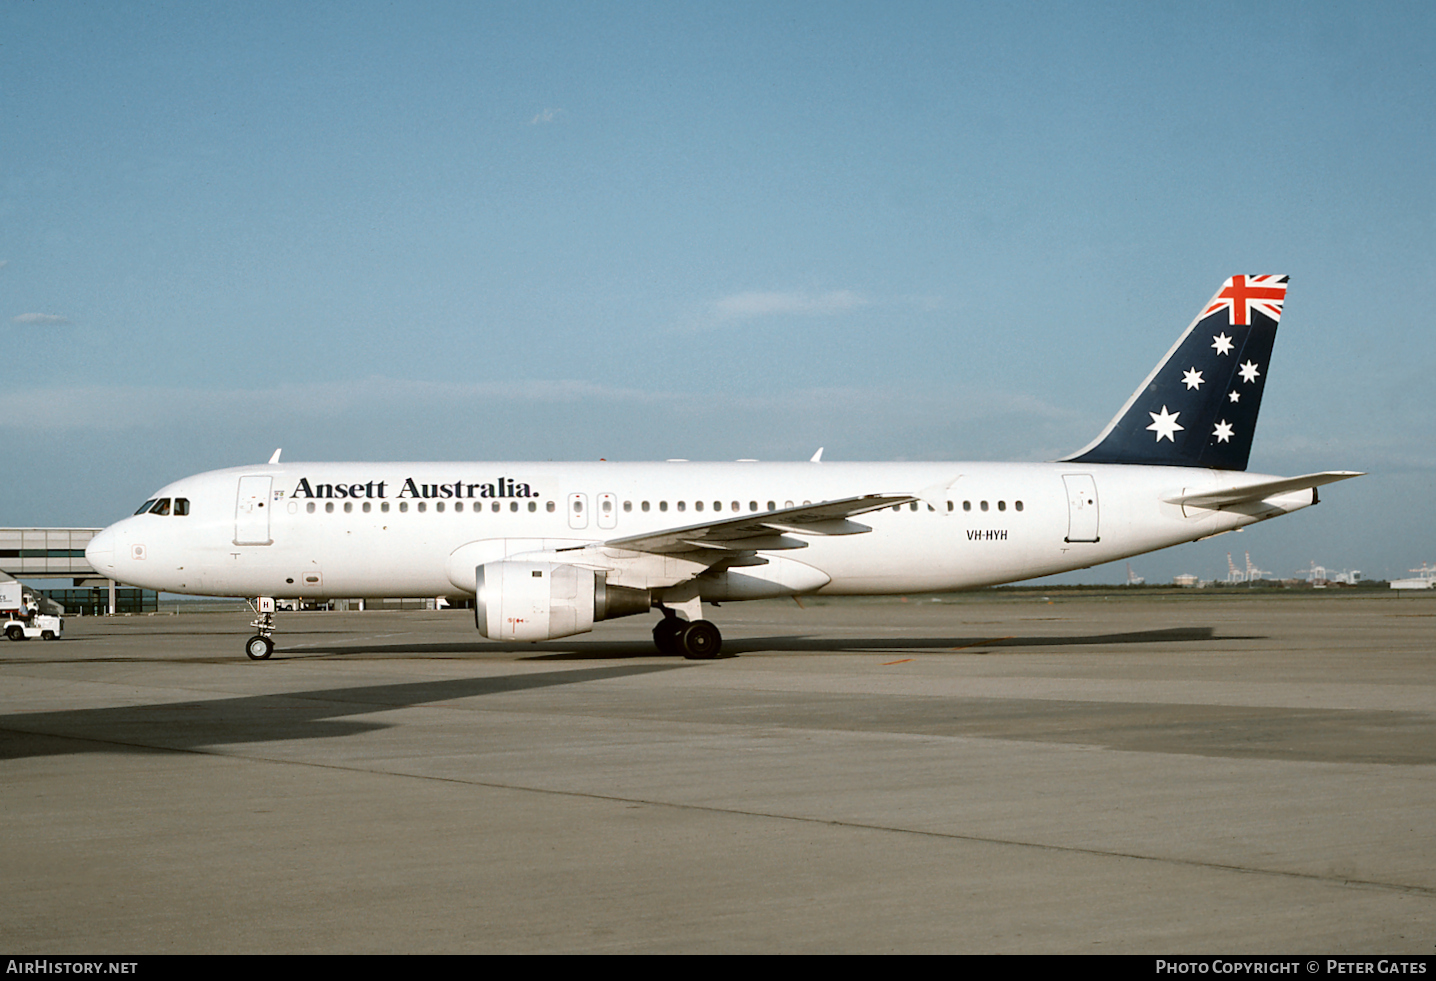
(145, 506)
(181, 505)
(162, 506)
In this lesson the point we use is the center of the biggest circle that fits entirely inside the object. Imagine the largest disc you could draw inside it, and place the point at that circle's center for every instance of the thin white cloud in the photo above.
(794, 303)
(40, 318)
(547, 116)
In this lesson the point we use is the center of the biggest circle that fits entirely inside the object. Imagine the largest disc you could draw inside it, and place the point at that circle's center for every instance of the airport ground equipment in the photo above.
(21, 621)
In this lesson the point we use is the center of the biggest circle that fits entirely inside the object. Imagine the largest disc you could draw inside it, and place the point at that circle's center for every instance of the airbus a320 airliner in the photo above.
(547, 549)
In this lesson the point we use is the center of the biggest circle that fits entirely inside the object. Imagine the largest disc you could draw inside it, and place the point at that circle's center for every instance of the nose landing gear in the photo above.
(261, 645)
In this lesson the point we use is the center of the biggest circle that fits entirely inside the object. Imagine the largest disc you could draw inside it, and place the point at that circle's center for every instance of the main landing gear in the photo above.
(697, 640)
(261, 645)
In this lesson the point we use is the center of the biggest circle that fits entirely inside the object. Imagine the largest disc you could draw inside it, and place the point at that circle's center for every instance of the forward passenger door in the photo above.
(251, 511)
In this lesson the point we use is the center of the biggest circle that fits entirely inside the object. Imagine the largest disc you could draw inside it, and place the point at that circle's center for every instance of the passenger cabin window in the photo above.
(1018, 505)
(984, 505)
(645, 505)
(309, 507)
(549, 507)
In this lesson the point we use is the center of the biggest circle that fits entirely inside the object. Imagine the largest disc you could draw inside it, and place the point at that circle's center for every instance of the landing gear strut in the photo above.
(261, 645)
(697, 640)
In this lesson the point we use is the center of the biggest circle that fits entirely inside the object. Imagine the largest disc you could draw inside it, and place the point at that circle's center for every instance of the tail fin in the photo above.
(1198, 407)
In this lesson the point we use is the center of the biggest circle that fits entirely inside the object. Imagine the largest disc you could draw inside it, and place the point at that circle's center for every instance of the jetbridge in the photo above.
(51, 553)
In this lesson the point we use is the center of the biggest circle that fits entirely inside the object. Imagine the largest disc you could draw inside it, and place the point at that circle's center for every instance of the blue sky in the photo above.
(638, 231)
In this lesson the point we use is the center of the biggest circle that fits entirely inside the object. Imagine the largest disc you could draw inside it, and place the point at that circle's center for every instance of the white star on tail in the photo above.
(1249, 371)
(1193, 378)
(1223, 432)
(1165, 425)
(1235, 396)
(1222, 343)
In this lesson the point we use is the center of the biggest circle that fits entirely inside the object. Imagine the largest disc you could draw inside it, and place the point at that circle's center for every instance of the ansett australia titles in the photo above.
(503, 487)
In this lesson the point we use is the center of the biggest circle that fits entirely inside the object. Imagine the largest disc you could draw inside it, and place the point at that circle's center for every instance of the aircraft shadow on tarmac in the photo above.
(590, 650)
(319, 714)
(1214, 730)
(608, 650)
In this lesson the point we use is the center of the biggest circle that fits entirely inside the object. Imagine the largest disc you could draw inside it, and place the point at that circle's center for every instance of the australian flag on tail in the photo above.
(1198, 407)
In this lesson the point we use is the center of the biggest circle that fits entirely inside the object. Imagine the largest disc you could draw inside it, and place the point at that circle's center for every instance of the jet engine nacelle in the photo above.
(516, 600)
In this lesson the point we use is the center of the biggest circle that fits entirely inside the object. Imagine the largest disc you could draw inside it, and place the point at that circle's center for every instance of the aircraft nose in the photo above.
(101, 551)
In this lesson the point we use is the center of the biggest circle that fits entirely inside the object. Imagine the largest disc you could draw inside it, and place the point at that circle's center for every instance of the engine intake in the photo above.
(517, 600)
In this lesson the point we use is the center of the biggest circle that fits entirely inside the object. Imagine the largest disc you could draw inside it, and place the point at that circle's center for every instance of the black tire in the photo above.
(666, 634)
(15, 632)
(259, 648)
(701, 641)
(47, 635)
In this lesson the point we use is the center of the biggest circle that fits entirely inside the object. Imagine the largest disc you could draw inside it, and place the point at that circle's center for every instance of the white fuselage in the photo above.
(326, 530)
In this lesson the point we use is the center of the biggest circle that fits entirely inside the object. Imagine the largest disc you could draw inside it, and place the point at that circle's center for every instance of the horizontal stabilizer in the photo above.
(1248, 493)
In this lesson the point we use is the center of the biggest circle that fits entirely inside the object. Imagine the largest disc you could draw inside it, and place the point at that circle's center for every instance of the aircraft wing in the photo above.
(765, 530)
(1250, 493)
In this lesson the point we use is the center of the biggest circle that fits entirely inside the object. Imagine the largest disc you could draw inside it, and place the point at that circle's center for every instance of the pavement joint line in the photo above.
(347, 640)
(1396, 887)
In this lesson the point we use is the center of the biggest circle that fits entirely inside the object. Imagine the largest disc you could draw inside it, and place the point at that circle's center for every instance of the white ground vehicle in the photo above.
(18, 622)
(42, 626)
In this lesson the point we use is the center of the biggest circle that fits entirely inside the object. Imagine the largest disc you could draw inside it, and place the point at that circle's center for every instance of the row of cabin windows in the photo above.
(421, 506)
(180, 506)
(606, 505)
(734, 506)
(163, 506)
(966, 506)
